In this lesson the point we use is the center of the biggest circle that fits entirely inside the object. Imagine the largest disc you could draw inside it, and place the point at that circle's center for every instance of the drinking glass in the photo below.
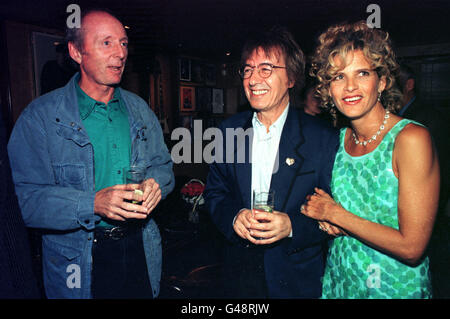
(134, 175)
(263, 201)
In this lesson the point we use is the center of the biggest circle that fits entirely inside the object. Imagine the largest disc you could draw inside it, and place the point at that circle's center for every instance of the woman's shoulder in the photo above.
(413, 149)
(413, 132)
(413, 139)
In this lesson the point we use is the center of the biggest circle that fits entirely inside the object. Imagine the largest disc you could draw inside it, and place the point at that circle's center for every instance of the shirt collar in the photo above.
(277, 125)
(87, 104)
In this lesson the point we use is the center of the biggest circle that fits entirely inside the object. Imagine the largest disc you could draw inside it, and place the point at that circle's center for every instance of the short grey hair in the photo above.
(76, 35)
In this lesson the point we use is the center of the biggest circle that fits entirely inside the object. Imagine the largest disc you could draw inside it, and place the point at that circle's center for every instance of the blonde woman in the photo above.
(385, 182)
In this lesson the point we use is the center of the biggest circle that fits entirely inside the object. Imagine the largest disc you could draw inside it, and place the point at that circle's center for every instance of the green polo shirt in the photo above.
(109, 132)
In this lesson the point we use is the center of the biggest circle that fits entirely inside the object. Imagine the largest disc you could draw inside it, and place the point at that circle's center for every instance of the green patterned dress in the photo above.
(366, 186)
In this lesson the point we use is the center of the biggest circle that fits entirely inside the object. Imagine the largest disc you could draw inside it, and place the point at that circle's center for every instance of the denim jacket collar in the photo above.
(70, 124)
(67, 119)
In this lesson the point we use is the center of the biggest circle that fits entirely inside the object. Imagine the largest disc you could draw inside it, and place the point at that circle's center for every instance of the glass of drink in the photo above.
(263, 201)
(134, 175)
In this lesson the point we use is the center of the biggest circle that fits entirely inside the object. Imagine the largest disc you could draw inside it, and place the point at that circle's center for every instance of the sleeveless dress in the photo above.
(366, 186)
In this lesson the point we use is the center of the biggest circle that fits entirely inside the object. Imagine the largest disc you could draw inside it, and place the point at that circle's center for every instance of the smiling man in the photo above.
(278, 254)
(68, 151)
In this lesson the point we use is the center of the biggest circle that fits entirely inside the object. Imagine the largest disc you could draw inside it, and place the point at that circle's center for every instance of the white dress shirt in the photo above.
(265, 151)
(264, 156)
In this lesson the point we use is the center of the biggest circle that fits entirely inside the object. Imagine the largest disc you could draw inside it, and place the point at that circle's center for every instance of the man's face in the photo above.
(265, 94)
(104, 52)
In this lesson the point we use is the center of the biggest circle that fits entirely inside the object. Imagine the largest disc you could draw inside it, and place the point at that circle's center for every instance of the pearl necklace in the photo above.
(374, 137)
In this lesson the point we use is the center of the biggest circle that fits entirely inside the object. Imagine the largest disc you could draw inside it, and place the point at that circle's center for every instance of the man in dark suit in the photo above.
(437, 123)
(274, 146)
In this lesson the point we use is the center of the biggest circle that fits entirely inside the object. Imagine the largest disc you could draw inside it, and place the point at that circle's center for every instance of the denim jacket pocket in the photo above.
(63, 269)
(69, 253)
(140, 142)
(56, 247)
(73, 175)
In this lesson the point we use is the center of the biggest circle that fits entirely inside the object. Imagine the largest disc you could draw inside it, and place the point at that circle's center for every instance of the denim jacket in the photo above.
(52, 162)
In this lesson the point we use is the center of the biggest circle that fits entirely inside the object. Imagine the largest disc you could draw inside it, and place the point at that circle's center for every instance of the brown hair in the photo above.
(338, 41)
(278, 40)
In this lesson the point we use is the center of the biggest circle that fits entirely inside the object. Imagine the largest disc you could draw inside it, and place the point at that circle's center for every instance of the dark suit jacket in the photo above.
(292, 267)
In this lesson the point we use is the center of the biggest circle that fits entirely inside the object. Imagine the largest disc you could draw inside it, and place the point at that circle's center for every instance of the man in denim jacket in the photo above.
(67, 151)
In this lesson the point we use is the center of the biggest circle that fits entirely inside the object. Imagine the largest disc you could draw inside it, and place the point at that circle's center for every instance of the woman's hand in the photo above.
(331, 229)
(320, 206)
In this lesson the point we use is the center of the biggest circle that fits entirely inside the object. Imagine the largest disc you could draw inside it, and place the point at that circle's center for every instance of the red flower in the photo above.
(192, 189)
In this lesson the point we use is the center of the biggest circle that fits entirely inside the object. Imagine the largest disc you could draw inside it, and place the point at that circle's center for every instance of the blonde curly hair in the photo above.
(342, 39)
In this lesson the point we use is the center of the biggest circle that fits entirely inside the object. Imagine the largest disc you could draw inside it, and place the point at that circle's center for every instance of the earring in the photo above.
(379, 97)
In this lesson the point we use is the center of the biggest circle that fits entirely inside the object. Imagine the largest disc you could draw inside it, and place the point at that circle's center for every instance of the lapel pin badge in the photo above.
(290, 161)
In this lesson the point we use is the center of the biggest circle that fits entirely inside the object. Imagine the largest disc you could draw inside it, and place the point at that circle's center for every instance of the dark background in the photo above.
(211, 28)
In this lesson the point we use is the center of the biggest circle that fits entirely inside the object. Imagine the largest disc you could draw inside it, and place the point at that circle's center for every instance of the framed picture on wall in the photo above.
(187, 98)
(185, 69)
(217, 101)
(53, 67)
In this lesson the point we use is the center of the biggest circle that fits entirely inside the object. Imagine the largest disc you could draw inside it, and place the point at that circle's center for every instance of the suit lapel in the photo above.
(243, 171)
(289, 159)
